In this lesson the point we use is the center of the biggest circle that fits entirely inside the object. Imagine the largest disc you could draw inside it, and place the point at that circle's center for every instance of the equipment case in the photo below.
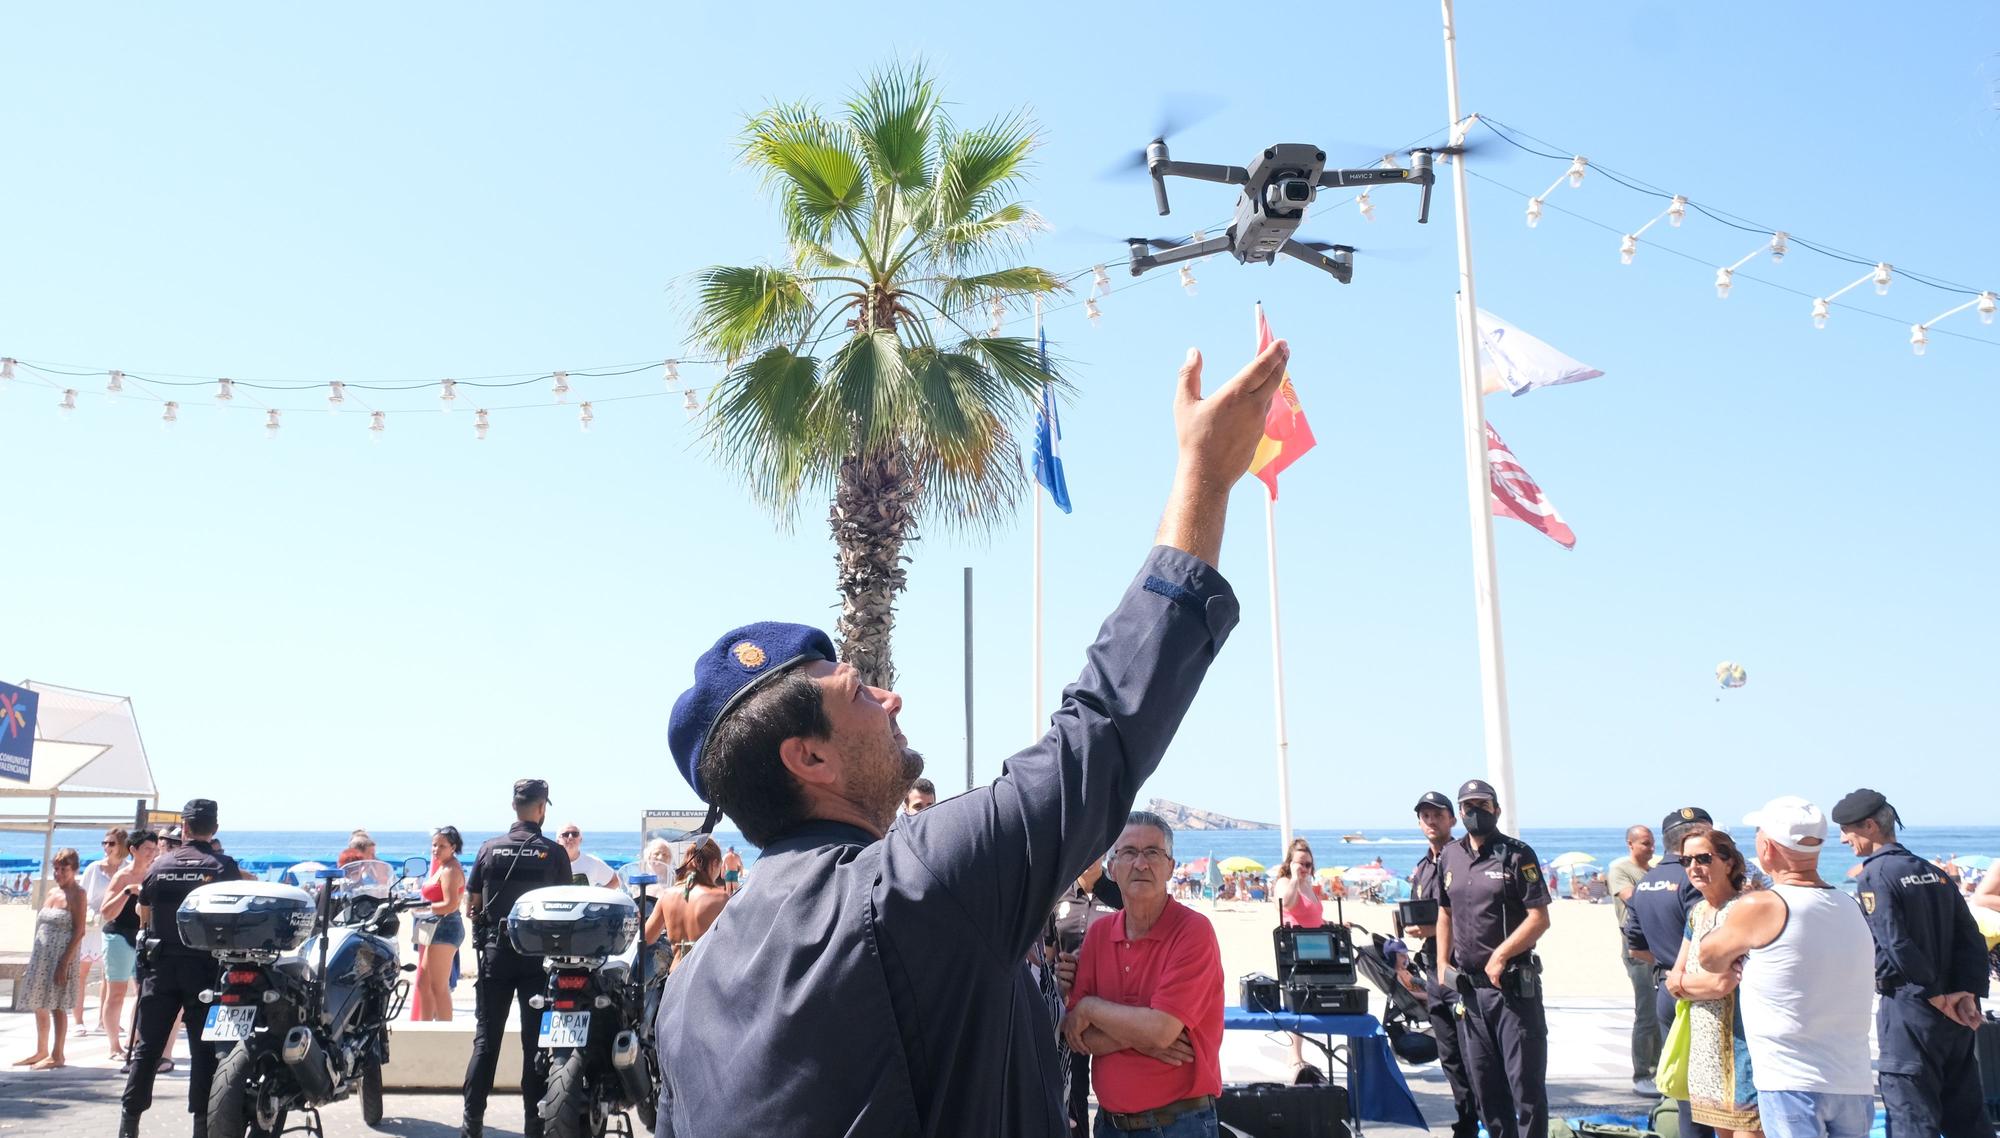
(1274, 1110)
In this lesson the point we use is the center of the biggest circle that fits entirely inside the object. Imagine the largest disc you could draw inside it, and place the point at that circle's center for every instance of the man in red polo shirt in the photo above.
(1147, 1002)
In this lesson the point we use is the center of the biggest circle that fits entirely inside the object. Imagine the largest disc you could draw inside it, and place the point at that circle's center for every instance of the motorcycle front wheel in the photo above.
(371, 1092)
(232, 1099)
(565, 1107)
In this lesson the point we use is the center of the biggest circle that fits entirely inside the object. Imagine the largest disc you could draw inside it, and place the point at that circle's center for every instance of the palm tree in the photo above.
(856, 365)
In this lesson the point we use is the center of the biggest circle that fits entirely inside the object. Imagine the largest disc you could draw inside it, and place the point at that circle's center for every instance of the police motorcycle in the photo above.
(311, 979)
(596, 1039)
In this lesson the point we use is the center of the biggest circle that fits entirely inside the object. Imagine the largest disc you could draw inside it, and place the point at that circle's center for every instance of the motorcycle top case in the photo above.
(245, 916)
(1274, 1110)
(573, 920)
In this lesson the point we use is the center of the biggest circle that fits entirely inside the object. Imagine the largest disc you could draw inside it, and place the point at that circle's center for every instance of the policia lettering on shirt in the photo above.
(508, 866)
(172, 975)
(1493, 908)
(1930, 967)
(868, 981)
(1656, 919)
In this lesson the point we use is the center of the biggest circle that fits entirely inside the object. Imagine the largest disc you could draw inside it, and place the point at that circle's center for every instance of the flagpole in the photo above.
(1478, 476)
(1277, 650)
(1040, 724)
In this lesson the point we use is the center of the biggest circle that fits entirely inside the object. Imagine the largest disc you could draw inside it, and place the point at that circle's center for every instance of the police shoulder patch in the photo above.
(1530, 872)
(1447, 879)
(748, 655)
(1868, 900)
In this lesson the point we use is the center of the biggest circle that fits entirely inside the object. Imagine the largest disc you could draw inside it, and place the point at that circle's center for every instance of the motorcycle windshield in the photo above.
(368, 879)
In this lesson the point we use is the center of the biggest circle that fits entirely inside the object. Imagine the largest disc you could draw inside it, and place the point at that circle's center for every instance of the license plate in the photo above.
(565, 1029)
(229, 1025)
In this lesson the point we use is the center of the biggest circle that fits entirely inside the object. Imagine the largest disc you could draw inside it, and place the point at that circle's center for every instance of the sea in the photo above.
(1398, 847)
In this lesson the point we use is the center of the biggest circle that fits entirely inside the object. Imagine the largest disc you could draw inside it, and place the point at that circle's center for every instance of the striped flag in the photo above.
(1515, 495)
(1287, 435)
(1048, 437)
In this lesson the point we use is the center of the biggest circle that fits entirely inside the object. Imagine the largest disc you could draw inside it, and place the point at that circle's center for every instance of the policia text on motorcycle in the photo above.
(1492, 909)
(508, 866)
(172, 975)
(1930, 967)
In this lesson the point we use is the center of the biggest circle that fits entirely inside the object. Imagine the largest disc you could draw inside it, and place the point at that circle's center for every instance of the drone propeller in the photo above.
(1158, 242)
(1177, 113)
(1373, 252)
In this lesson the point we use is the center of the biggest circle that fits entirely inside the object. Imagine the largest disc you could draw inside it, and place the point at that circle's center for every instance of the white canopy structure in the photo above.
(87, 746)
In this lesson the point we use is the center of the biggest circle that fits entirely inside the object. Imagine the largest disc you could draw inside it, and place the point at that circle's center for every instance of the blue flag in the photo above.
(1048, 439)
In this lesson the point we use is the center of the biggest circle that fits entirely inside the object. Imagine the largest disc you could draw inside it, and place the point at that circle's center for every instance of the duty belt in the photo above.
(1159, 1117)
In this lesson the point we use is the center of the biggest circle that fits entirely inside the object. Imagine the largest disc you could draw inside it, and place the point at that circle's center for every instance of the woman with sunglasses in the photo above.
(96, 882)
(1720, 1091)
(119, 910)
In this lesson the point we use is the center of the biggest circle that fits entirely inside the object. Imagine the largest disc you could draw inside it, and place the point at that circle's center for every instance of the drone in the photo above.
(1278, 186)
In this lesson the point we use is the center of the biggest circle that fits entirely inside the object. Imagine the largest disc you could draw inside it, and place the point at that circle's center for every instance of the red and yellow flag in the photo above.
(1287, 435)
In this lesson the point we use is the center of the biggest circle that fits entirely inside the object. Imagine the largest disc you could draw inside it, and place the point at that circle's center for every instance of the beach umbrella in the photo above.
(1241, 864)
(1369, 873)
(1572, 859)
(1333, 871)
(1976, 861)
(1197, 866)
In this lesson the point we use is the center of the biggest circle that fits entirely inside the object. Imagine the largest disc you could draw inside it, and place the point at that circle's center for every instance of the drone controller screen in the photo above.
(1313, 946)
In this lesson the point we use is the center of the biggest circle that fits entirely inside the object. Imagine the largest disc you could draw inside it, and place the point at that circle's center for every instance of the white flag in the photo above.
(1510, 360)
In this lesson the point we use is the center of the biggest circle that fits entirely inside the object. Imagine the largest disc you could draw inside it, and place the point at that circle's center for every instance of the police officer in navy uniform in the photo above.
(868, 981)
(1656, 923)
(1492, 909)
(174, 974)
(508, 866)
(1435, 816)
(1930, 967)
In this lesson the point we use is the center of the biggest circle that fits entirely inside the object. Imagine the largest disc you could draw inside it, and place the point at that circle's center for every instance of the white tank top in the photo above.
(1808, 997)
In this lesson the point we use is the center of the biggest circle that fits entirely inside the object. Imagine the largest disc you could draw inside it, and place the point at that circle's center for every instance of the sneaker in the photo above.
(1645, 1088)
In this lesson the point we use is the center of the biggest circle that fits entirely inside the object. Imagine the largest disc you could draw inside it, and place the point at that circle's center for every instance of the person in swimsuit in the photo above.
(732, 870)
(444, 888)
(686, 913)
(1297, 893)
(120, 913)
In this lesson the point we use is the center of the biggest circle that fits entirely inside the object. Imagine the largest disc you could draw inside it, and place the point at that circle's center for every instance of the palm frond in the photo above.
(816, 166)
(742, 308)
(1021, 280)
(973, 162)
(766, 420)
(893, 117)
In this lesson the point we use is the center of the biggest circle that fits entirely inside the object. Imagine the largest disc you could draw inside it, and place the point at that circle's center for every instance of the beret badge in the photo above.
(749, 655)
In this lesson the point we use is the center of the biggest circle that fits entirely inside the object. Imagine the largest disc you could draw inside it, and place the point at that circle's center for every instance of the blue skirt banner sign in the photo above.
(17, 731)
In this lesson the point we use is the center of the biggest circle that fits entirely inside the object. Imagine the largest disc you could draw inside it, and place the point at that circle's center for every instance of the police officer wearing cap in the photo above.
(1492, 909)
(868, 980)
(173, 975)
(507, 867)
(1435, 817)
(1931, 969)
(1656, 918)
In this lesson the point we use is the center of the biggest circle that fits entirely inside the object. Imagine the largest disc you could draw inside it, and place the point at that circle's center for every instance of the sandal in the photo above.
(166, 1067)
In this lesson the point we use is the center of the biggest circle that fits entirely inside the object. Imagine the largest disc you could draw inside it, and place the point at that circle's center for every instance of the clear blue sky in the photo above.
(323, 633)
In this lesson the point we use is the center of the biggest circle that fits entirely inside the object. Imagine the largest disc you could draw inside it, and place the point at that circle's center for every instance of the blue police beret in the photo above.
(739, 663)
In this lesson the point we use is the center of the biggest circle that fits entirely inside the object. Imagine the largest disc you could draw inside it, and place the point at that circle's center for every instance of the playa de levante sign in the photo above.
(17, 731)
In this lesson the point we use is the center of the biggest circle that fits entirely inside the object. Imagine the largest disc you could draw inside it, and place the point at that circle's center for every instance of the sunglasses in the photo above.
(1705, 859)
(107, 843)
(572, 834)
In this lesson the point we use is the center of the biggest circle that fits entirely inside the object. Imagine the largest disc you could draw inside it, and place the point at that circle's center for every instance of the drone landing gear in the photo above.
(1338, 261)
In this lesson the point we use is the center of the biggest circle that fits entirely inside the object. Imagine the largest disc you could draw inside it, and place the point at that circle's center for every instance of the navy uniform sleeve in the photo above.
(148, 891)
(473, 877)
(1635, 937)
(1004, 852)
(1969, 968)
(1898, 957)
(1441, 873)
(1528, 877)
(560, 858)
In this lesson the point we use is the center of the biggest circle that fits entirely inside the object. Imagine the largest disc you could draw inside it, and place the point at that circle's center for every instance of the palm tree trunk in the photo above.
(873, 517)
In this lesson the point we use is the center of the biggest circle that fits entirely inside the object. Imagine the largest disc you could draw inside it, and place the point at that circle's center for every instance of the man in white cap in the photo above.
(1808, 983)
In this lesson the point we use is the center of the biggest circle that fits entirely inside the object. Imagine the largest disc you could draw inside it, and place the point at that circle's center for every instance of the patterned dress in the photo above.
(39, 990)
(1720, 1092)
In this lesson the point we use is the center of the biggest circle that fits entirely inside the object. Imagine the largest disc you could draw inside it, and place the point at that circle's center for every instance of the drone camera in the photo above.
(1285, 195)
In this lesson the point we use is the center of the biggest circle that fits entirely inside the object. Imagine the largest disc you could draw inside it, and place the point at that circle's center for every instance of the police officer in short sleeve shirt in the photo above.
(176, 974)
(1492, 909)
(1930, 967)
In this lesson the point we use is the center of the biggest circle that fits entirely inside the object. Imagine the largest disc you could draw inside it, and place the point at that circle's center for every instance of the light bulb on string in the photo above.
(1987, 304)
(336, 395)
(1090, 310)
(1187, 280)
(68, 403)
(1367, 207)
(115, 386)
(561, 387)
(586, 417)
(479, 424)
(1627, 248)
(225, 389)
(378, 422)
(1882, 279)
(1919, 339)
(1819, 312)
(1677, 211)
(1723, 279)
(1534, 212)
(997, 312)
(672, 374)
(7, 368)
(1577, 165)
(689, 403)
(270, 422)
(1100, 281)
(1779, 246)
(448, 393)
(172, 414)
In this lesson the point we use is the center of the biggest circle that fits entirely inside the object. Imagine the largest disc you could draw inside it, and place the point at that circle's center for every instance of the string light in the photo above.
(1881, 279)
(585, 418)
(689, 403)
(561, 388)
(225, 389)
(68, 403)
(7, 368)
(673, 374)
(1367, 207)
(116, 384)
(1822, 306)
(449, 394)
(1819, 312)
(1725, 277)
(1091, 312)
(1187, 280)
(1626, 248)
(1779, 246)
(998, 312)
(1985, 302)
(1099, 280)
(338, 396)
(172, 414)
(378, 421)
(1534, 212)
(479, 424)
(271, 422)
(1675, 210)
(1919, 340)
(1577, 166)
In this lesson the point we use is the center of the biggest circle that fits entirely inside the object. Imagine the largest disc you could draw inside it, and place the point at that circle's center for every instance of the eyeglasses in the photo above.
(1702, 858)
(107, 843)
(1150, 853)
(572, 834)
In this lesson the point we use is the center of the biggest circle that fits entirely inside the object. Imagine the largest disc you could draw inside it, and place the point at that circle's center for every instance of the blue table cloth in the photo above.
(1374, 1082)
